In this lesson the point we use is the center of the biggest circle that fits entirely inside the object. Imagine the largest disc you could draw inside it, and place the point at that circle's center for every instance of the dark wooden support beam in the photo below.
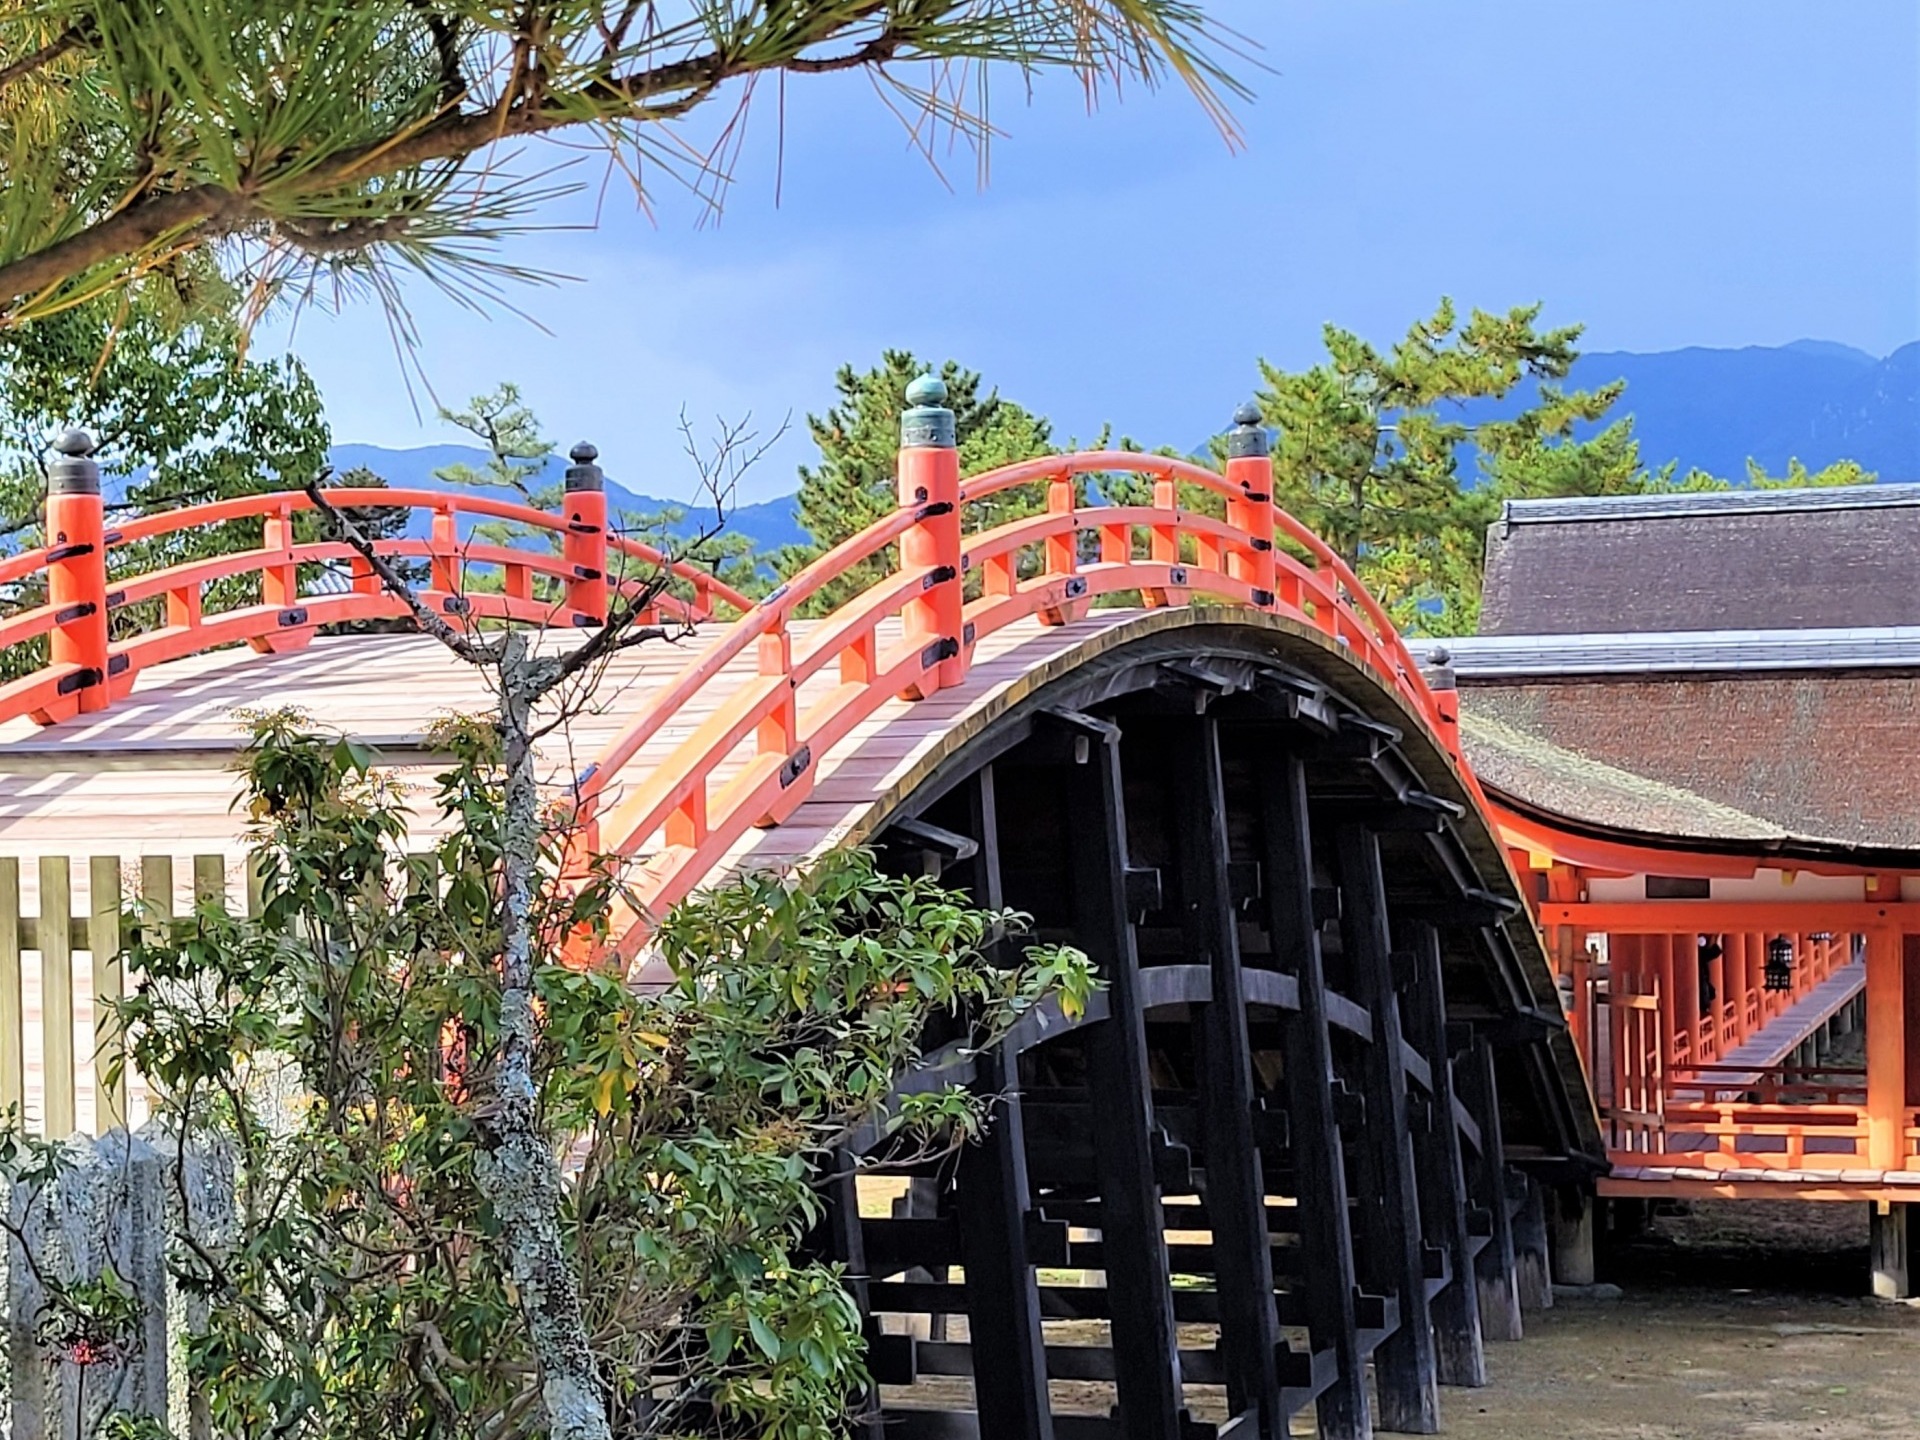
(1003, 1305)
(1319, 1169)
(1235, 1187)
(1394, 1259)
(838, 1238)
(1499, 1286)
(1145, 1343)
(1460, 1358)
(1532, 1248)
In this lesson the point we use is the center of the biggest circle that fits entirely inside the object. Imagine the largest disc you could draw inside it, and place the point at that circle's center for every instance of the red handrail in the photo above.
(684, 810)
(90, 669)
(681, 812)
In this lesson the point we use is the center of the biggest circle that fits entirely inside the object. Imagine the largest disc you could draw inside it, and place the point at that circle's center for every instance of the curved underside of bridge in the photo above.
(1306, 1130)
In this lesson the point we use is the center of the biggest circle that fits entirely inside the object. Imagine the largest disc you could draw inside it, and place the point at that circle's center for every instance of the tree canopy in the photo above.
(316, 139)
(1401, 457)
(162, 382)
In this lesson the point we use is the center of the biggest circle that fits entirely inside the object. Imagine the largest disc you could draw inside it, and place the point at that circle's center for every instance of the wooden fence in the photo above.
(60, 969)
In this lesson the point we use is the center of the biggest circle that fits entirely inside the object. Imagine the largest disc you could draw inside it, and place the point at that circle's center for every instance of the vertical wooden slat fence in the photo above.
(56, 1078)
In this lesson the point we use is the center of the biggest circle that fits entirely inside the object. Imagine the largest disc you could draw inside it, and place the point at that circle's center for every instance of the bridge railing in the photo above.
(98, 640)
(910, 633)
(913, 633)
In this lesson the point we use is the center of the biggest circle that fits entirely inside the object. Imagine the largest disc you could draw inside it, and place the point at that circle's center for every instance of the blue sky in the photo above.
(1709, 172)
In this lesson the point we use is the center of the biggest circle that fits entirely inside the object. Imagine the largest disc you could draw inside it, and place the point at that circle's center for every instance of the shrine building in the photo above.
(1695, 715)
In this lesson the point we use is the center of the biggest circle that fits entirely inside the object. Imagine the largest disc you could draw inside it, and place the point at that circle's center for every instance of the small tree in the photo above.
(374, 1285)
(518, 457)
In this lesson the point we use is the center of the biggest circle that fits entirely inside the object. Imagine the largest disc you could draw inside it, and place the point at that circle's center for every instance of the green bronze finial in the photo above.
(1248, 436)
(926, 423)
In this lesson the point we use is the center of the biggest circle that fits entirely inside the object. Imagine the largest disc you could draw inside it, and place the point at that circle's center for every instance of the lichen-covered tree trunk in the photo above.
(519, 1167)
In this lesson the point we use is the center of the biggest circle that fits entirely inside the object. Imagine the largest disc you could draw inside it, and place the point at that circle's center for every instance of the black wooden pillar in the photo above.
(1498, 1284)
(1319, 1166)
(838, 1236)
(1003, 1305)
(1145, 1343)
(1460, 1358)
(1394, 1256)
(1532, 1248)
(1235, 1185)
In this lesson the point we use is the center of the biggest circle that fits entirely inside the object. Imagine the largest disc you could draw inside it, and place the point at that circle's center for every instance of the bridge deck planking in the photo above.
(152, 776)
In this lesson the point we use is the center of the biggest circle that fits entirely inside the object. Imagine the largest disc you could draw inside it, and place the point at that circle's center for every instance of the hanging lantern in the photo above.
(1779, 963)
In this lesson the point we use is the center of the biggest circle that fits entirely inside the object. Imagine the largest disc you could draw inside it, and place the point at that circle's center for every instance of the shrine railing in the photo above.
(99, 639)
(681, 816)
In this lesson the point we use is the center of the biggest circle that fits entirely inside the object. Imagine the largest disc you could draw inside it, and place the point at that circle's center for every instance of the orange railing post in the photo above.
(77, 577)
(280, 584)
(1250, 466)
(585, 544)
(929, 481)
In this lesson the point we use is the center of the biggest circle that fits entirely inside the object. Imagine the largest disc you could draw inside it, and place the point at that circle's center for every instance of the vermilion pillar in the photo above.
(585, 545)
(1250, 466)
(1661, 958)
(1886, 1051)
(1689, 1001)
(77, 577)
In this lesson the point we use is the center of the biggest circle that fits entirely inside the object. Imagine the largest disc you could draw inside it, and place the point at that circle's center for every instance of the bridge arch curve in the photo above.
(1299, 911)
(1330, 1078)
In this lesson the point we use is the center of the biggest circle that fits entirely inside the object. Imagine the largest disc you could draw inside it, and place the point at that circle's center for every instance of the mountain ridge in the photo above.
(1702, 407)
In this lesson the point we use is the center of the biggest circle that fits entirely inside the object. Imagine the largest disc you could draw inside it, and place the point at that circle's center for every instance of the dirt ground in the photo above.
(1736, 1322)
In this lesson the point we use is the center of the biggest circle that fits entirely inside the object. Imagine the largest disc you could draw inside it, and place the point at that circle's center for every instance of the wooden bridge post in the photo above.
(1003, 1304)
(1498, 1284)
(77, 577)
(1319, 1163)
(1145, 1341)
(1459, 1356)
(929, 479)
(1235, 1184)
(585, 545)
(1394, 1257)
(1251, 468)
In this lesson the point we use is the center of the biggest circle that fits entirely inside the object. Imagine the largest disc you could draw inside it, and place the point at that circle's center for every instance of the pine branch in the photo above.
(61, 44)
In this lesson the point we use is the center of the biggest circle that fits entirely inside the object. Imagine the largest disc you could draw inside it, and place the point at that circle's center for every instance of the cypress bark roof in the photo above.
(1818, 761)
(1731, 560)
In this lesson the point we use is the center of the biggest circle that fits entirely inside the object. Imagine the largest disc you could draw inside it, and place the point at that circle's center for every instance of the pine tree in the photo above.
(1370, 445)
(517, 460)
(853, 485)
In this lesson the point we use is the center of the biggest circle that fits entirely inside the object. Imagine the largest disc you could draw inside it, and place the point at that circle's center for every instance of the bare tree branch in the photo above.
(396, 584)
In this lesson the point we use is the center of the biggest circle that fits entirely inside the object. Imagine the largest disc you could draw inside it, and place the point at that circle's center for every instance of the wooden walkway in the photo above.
(1787, 1031)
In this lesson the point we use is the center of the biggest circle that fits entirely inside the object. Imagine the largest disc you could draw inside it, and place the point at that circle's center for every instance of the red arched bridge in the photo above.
(1313, 1129)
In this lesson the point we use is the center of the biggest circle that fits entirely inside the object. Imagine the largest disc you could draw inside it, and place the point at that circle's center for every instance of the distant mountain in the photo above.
(1813, 400)
(768, 524)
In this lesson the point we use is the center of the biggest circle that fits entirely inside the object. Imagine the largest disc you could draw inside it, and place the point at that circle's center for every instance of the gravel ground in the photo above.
(1738, 1321)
